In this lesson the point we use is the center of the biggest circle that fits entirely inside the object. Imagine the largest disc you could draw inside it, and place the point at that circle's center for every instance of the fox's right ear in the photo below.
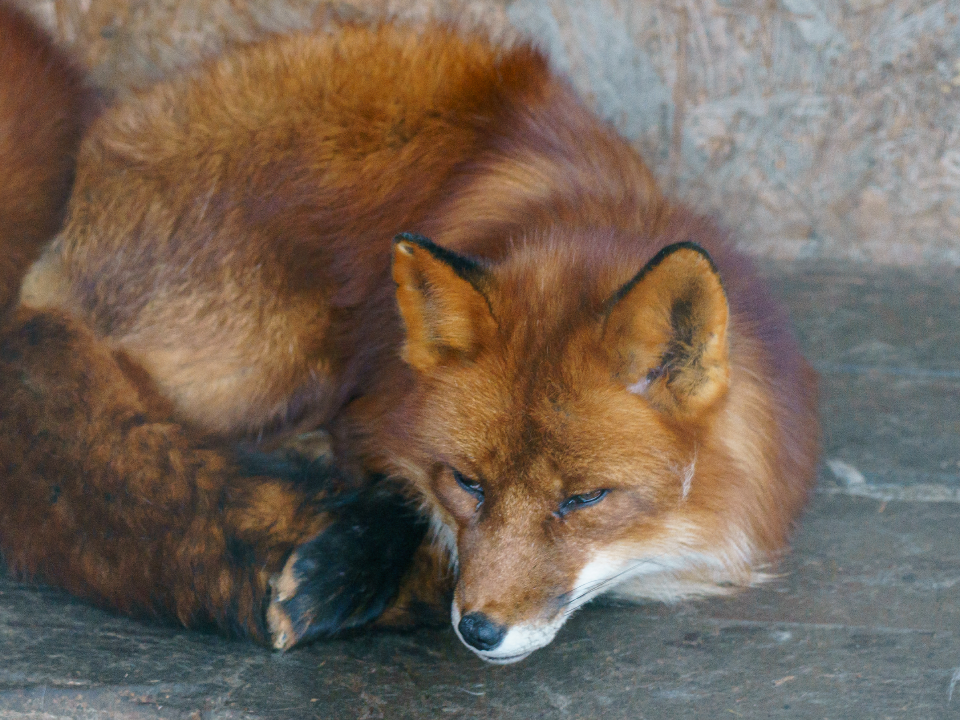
(441, 298)
(666, 331)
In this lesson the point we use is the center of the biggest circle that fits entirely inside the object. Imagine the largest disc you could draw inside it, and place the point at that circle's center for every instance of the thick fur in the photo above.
(578, 382)
(43, 108)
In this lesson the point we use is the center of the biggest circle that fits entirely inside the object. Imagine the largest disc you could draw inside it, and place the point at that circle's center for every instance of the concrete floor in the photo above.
(864, 623)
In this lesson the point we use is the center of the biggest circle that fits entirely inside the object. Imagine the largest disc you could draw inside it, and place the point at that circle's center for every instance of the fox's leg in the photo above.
(102, 494)
(426, 591)
(425, 588)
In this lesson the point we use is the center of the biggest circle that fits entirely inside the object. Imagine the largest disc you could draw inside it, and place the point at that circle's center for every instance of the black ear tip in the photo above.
(471, 270)
(656, 261)
(676, 247)
(412, 238)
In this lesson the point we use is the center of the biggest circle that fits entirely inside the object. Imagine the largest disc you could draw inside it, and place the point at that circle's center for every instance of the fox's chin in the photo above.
(493, 659)
(519, 642)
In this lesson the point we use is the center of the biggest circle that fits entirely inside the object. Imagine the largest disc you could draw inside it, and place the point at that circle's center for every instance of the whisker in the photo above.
(596, 585)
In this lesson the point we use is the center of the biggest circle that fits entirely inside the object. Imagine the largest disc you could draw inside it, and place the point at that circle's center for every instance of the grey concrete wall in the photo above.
(821, 128)
(814, 128)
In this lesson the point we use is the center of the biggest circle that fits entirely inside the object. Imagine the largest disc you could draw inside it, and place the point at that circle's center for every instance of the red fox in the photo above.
(360, 327)
(44, 106)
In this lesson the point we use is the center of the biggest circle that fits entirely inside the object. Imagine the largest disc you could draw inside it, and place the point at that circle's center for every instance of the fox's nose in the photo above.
(478, 631)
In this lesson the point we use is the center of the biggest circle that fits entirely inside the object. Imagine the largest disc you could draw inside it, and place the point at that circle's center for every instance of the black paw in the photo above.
(346, 576)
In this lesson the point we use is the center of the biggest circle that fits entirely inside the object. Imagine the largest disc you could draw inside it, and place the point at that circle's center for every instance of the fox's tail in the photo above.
(106, 495)
(44, 106)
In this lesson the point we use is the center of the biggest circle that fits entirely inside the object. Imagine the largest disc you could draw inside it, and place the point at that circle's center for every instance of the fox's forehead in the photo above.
(552, 424)
(543, 299)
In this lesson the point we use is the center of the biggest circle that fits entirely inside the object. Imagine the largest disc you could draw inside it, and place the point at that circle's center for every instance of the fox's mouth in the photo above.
(517, 643)
(504, 660)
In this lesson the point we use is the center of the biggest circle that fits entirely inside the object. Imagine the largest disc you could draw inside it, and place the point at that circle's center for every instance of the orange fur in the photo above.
(581, 383)
(43, 107)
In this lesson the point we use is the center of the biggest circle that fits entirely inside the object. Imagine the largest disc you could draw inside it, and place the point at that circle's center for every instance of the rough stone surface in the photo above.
(862, 624)
(816, 128)
(820, 128)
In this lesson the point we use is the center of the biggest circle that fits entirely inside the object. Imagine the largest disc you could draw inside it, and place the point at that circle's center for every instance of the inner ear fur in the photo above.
(442, 301)
(666, 331)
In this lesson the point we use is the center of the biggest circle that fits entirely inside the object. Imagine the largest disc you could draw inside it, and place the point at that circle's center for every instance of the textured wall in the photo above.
(816, 128)
(820, 127)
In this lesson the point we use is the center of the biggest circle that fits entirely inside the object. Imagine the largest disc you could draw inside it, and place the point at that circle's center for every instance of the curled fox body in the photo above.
(574, 386)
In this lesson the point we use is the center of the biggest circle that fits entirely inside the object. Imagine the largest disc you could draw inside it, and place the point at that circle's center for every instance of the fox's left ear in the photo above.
(666, 331)
(441, 298)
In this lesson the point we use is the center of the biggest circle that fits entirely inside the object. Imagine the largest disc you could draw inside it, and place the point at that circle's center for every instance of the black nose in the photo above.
(479, 632)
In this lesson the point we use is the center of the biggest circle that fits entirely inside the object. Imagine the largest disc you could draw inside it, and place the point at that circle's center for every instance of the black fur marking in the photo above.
(33, 332)
(347, 576)
(312, 474)
(45, 327)
(682, 353)
(241, 553)
(654, 262)
(9, 351)
(466, 268)
(683, 322)
(135, 420)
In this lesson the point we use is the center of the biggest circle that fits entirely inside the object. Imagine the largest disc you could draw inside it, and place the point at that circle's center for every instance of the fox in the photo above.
(376, 327)
(45, 104)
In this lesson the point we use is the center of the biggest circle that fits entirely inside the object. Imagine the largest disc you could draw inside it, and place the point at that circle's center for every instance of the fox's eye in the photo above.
(471, 486)
(578, 501)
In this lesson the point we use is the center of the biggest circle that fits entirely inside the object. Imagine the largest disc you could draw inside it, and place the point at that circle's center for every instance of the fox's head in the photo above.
(561, 393)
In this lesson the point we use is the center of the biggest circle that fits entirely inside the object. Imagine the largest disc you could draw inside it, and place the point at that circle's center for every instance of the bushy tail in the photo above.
(103, 494)
(44, 105)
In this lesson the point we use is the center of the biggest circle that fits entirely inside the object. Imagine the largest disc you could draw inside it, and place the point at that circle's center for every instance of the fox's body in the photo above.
(43, 108)
(574, 395)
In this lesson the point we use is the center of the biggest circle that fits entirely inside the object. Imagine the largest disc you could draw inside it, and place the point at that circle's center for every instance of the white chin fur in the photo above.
(519, 642)
(652, 579)
(523, 639)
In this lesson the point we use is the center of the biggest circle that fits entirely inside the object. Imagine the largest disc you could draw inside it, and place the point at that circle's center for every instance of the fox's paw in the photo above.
(346, 576)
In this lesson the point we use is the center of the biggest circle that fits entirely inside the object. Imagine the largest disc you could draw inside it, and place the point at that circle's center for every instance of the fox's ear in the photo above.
(666, 331)
(442, 302)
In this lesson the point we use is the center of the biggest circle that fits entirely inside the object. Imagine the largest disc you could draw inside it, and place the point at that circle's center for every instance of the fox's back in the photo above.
(236, 223)
(291, 154)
